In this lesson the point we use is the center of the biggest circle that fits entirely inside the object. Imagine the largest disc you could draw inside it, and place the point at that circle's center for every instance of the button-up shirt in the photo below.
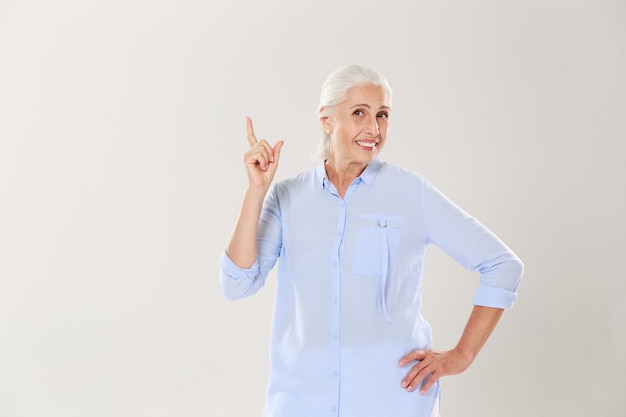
(349, 287)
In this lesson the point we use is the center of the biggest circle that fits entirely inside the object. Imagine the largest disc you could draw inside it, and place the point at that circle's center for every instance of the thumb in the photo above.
(277, 147)
(274, 165)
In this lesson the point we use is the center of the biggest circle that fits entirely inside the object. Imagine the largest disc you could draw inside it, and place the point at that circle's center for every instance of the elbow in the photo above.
(232, 294)
(237, 288)
(518, 267)
(235, 282)
(228, 293)
(514, 271)
(230, 290)
(504, 272)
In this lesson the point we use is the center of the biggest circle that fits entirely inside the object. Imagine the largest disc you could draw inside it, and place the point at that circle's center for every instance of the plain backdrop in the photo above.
(121, 137)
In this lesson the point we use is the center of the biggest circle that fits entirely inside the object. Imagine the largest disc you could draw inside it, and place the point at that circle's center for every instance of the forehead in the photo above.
(370, 94)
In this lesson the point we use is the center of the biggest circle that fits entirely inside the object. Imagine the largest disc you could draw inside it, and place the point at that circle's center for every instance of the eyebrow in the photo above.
(369, 107)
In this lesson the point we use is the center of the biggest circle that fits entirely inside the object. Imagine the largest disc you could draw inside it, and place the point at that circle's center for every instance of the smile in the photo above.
(367, 144)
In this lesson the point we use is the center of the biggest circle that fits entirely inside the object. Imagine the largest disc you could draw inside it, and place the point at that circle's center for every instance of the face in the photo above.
(358, 129)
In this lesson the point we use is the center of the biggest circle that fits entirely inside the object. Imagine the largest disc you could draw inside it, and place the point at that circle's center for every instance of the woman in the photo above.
(347, 336)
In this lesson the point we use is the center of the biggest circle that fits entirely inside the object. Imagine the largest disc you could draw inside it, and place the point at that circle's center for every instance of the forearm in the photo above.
(479, 327)
(242, 246)
(481, 323)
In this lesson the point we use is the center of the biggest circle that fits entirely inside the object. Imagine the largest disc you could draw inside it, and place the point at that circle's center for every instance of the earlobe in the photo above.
(327, 126)
(326, 122)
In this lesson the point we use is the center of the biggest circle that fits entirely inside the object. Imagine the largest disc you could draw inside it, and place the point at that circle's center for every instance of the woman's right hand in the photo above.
(261, 160)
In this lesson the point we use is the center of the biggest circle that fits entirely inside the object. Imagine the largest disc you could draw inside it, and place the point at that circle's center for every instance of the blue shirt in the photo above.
(349, 289)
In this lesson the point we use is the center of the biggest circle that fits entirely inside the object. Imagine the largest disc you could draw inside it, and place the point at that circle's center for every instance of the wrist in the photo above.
(466, 355)
(255, 194)
(257, 190)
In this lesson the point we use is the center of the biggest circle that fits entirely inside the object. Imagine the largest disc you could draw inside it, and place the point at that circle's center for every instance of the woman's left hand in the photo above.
(433, 365)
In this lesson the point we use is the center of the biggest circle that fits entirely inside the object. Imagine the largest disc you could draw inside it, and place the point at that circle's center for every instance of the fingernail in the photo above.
(421, 391)
(409, 388)
(403, 384)
(271, 158)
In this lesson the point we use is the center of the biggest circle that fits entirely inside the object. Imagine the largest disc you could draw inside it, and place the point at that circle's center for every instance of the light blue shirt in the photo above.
(349, 289)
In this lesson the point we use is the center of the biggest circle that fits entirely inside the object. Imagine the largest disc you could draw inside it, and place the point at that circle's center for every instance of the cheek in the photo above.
(348, 132)
(382, 128)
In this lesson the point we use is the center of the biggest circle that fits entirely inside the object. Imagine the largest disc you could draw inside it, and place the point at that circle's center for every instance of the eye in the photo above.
(358, 113)
(383, 114)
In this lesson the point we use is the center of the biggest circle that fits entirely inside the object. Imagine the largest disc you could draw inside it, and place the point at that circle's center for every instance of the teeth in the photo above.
(367, 144)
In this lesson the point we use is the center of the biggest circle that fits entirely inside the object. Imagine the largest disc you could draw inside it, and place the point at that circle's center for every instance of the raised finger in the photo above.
(250, 132)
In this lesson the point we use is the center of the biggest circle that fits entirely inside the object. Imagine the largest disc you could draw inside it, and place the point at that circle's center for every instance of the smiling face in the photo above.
(358, 127)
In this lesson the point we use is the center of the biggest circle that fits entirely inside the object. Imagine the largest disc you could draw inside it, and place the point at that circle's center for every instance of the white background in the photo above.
(121, 136)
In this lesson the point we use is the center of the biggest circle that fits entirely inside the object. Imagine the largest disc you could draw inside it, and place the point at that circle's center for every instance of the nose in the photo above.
(372, 125)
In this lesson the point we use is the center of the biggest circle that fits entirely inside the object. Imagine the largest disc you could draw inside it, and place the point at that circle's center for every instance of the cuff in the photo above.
(494, 297)
(230, 269)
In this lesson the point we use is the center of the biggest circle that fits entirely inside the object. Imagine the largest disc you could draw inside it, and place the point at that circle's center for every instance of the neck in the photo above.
(342, 175)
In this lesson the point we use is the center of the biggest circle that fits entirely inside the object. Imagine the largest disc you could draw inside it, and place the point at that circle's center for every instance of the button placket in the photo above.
(336, 307)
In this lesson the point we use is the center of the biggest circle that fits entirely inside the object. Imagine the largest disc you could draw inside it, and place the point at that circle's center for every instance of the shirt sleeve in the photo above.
(237, 282)
(474, 247)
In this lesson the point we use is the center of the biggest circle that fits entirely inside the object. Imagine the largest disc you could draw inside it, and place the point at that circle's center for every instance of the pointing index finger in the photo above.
(250, 132)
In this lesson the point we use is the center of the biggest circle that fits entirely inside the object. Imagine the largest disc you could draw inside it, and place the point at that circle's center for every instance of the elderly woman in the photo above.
(348, 338)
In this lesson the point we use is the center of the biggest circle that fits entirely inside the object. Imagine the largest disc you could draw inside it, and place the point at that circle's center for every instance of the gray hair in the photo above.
(334, 90)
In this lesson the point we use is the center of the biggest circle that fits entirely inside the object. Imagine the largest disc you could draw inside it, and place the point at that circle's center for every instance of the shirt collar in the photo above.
(367, 176)
(320, 171)
(371, 170)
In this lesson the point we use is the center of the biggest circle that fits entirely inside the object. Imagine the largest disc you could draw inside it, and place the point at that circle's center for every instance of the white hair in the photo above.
(334, 91)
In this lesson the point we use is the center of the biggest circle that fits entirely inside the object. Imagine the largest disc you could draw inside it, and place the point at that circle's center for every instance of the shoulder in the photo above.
(398, 174)
(302, 182)
(298, 180)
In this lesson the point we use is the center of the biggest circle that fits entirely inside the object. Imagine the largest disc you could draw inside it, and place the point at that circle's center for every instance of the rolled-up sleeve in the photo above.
(475, 247)
(237, 282)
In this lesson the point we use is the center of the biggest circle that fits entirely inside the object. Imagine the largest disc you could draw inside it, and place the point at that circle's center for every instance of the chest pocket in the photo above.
(377, 239)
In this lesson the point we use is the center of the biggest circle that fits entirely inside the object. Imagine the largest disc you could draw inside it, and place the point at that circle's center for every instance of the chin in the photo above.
(367, 158)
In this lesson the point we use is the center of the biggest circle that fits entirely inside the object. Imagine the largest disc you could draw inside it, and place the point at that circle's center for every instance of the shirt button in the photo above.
(334, 408)
(336, 300)
(336, 373)
(335, 264)
(336, 336)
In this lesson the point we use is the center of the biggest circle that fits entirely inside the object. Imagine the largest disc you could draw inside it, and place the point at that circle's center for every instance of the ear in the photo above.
(326, 122)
